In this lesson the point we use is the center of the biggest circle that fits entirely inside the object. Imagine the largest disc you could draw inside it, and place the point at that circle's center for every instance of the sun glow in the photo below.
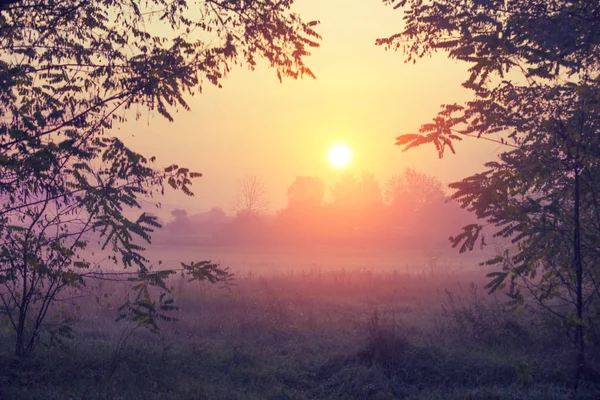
(340, 155)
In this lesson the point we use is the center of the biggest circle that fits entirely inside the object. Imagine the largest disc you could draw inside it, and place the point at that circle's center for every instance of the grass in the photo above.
(318, 335)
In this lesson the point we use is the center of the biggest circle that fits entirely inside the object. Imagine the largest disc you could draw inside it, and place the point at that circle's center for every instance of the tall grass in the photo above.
(312, 334)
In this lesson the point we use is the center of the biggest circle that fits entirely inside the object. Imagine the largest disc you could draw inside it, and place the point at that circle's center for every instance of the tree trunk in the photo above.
(20, 342)
(579, 334)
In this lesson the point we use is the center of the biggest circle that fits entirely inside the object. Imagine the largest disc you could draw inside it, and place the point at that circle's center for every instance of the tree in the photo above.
(416, 207)
(370, 192)
(306, 191)
(542, 192)
(69, 73)
(216, 215)
(357, 207)
(180, 224)
(302, 221)
(252, 196)
(412, 191)
(373, 221)
(351, 192)
(179, 213)
(346, 192)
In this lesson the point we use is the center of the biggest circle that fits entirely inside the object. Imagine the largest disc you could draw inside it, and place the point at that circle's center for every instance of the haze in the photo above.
(363, 96)
(317, 260)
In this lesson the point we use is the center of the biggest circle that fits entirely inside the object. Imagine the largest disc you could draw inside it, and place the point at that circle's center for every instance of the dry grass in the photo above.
(313, 334)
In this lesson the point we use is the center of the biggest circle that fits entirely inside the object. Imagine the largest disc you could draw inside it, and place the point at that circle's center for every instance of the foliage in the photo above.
(351, 192)
(306, 191)
(534, 76)
(69, 72)
(179, 213)
(370, 191)
(346, 192)
(413, 191)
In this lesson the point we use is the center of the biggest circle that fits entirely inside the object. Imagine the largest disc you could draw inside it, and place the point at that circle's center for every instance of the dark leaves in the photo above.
(206, 270)
(467, 238)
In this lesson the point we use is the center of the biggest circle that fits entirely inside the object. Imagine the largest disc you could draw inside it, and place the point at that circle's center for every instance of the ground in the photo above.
(423, 332)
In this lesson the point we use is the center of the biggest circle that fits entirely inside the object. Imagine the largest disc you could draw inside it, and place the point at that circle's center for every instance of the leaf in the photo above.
(497, 281)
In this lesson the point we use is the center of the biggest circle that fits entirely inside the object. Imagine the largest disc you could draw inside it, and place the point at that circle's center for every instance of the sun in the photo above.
(340, 155)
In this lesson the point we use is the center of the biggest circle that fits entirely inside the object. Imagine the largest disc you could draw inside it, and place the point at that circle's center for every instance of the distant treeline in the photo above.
(410, 210)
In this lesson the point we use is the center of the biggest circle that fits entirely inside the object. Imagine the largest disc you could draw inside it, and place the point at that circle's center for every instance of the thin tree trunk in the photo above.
(19, 346)
(579, 333)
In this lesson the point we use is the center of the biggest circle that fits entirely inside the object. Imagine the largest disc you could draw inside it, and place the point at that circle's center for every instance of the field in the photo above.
(311, 324)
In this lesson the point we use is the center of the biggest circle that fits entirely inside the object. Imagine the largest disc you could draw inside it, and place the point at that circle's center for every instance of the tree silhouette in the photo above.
(306, 190)
(412, 191)
(346, 192)
(251, 196)
(351, 192)
(69, 73)
(216, 214)
(541, 192)
(370, 191)
(179, 213)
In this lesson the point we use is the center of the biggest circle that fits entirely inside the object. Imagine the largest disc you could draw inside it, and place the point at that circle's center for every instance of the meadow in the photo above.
(306, 324)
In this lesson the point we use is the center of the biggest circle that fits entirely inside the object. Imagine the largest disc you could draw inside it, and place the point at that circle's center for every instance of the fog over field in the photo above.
(275, 260)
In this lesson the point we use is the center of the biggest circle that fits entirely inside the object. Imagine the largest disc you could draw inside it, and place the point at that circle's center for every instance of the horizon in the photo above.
(363, 96)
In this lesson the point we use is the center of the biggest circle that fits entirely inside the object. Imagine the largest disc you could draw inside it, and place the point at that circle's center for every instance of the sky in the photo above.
(364, 96)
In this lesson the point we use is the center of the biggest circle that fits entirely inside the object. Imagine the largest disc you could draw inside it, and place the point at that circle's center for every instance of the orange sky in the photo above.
(363, 96)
